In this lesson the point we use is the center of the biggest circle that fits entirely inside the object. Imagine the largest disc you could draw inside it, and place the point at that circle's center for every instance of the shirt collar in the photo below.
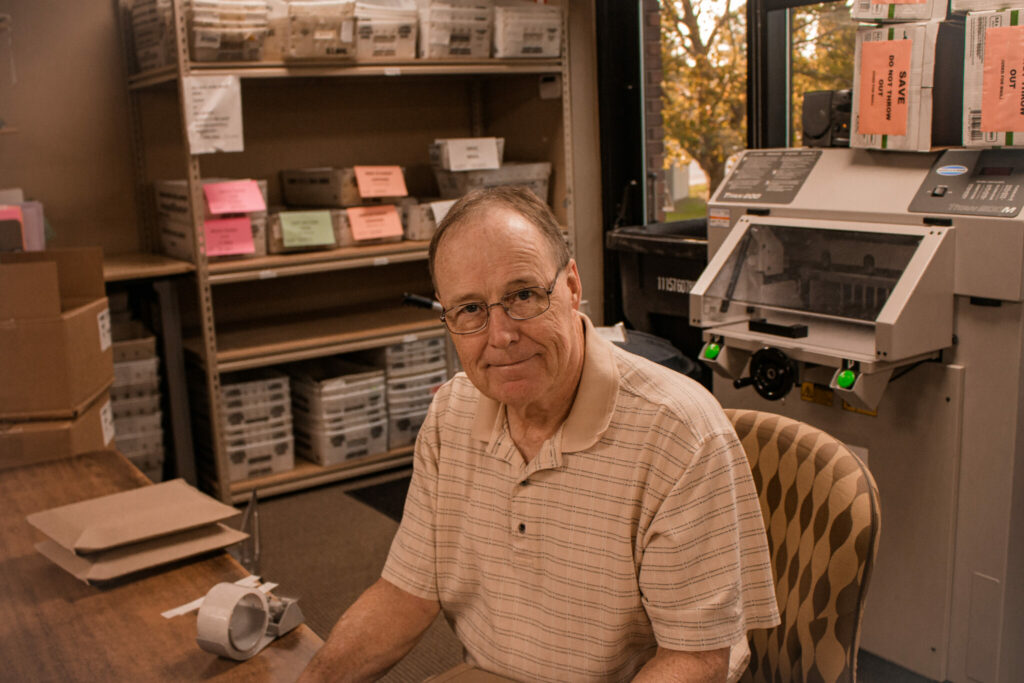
(592, 409)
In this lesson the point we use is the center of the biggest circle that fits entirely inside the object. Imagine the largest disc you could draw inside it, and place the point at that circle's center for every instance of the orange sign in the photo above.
(1002, 90)
(371, 222)
(884, 87)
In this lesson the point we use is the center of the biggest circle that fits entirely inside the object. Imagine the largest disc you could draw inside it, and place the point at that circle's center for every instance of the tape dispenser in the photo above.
(237, 621)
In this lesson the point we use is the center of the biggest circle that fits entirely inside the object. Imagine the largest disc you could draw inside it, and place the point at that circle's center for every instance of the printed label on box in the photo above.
(306, 228)
(107, 422)
(440, 209)
(380, 181)
(884, 85)
(372, 222)
(1002, 92)
(228, 236)
(234, 196)
(471, 154)
(103, 323)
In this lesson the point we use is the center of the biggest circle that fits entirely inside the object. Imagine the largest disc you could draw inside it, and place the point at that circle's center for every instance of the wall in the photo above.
(71, 149)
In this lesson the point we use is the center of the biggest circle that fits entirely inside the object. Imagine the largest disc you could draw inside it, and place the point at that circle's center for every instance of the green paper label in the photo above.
(306, 228)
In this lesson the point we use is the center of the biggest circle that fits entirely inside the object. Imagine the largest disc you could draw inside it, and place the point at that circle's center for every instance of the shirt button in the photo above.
(522, 528)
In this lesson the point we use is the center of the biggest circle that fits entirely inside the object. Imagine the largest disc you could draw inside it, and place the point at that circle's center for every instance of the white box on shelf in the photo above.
(176, 239)
(921, 10)
(467, 154)
(334, 446)
(136, 371)
(328, 405)
(993, 75)
(172, 198)
(386, 31)
(456, 29)
(526, 29)
(899, 71)
(424, 218)
(275, 430)
(261, 384)
(259, 459)
(534, 175)
(144, 389)
(140, 405)
(251, 413)
(320, 29)
(138, 424)
(403, 428)
(142, 442)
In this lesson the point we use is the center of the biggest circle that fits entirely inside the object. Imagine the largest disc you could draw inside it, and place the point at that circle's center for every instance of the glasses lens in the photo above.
(526, 303)
(466, 318)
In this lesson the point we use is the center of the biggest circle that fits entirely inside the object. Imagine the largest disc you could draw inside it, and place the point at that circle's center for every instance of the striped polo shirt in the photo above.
(636, 525)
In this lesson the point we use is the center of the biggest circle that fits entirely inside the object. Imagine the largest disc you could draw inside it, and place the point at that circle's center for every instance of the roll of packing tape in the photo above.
(233, 621)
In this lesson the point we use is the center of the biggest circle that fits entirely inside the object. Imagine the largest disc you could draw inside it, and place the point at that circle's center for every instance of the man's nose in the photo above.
(501, 329)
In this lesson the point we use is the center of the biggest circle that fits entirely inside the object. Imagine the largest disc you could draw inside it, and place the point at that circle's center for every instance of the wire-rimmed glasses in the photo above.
(521, 304)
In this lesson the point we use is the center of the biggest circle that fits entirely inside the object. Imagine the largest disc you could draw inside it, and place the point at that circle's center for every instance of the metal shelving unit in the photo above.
(225, 343)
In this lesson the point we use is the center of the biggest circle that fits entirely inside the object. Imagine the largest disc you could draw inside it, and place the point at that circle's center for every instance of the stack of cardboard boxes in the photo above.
(136, 398)
(56, 356)
(993, 73)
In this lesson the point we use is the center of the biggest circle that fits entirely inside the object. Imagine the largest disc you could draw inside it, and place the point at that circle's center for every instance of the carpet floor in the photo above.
(325, 547)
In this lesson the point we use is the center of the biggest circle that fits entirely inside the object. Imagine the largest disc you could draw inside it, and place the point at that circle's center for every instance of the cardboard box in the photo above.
(981, 5)
(456, 30)
(994, 108)
(872, 10)
(899, 71)
(533, 175)
(321, 29)
(56, 350)
(531, 30)
(385, 38)
(26, 443)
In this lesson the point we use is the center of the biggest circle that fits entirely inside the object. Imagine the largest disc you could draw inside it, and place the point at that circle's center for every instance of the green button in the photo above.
(846, 378)
(712, 350)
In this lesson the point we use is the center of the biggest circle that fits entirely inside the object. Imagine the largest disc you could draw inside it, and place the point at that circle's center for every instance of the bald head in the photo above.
(512, 198)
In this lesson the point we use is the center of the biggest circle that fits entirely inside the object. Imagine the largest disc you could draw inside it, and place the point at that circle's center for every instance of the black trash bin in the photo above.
(658, 266)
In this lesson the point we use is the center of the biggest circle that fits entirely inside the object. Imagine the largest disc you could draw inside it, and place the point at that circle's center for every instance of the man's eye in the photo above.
(470, 309)
(523, 295)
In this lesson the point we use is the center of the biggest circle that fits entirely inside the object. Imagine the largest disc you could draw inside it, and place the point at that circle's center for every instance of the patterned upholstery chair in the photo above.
(821, 514)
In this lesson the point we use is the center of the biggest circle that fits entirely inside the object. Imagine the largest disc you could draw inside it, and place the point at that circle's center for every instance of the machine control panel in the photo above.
(986, 182)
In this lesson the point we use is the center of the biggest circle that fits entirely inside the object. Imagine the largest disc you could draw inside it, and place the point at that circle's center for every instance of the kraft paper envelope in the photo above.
(113, 564)
(130, 516)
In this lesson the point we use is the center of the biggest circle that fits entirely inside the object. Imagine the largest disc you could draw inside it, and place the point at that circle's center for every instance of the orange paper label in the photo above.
(1002, 93)
(372, 222)
(884, 87)
(228, 236)
(380, 181)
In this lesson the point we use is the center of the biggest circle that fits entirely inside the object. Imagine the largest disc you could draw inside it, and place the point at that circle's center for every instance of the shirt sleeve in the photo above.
(704, 574)
(411, 561)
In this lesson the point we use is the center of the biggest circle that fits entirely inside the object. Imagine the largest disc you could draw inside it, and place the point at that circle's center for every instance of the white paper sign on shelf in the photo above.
(471, 154)
(213, 107)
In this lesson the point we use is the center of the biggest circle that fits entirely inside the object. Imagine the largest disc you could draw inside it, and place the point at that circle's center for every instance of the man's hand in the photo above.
(372, 635)
(711, 666)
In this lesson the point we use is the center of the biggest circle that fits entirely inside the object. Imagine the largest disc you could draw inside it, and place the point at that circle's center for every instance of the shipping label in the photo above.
(107, 423)
(1002, 93)
(884, 87)
(103, 323)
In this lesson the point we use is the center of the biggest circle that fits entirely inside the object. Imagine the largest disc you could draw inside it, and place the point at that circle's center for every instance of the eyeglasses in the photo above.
(522, 304)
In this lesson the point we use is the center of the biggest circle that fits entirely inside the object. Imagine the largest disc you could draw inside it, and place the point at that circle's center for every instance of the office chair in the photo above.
(821, 515)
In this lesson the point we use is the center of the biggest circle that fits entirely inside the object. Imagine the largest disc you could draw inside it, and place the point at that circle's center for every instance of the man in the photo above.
(578, 512)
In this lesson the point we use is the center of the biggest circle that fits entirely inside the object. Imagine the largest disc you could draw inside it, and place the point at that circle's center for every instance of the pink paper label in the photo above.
(372, 222)
(380, 181)
(1002, 93)
(884, 86)
(234, 196)
(228, 236)
(13, 213)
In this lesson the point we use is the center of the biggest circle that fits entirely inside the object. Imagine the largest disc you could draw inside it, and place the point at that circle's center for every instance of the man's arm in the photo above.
(372, 635)
(711, 666)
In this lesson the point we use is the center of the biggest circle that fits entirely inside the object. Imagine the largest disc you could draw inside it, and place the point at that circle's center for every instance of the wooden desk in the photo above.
(55, 628)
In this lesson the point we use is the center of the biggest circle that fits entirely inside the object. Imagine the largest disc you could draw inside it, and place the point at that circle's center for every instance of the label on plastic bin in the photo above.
(107, 422)
(372, 222)
(884, 87)
(234, 196)
(306, 228)
(103, 323)
(1002, 90)
(471, 154)
(380, 181)
(228, 236)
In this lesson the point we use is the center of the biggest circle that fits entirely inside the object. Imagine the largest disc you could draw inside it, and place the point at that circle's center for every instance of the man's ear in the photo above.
(572, 279)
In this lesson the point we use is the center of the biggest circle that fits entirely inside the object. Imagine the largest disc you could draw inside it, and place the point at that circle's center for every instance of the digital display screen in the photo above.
(996, 171)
